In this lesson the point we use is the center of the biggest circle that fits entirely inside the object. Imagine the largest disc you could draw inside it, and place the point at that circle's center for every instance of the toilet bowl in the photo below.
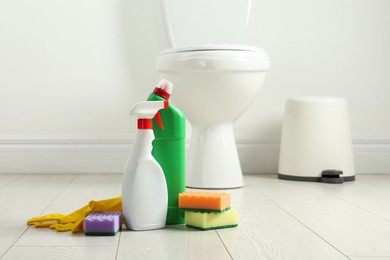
(214, 84)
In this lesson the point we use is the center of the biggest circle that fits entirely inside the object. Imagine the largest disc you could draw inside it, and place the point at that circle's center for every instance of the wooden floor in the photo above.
(278, 220)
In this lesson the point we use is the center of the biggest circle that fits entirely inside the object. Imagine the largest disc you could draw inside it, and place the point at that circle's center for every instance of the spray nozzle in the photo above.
(146, 110)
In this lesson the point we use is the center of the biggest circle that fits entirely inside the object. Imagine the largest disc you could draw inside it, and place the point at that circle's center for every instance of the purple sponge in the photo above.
(103, 223)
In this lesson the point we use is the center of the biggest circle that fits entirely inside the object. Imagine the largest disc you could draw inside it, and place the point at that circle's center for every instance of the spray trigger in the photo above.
(158, 116)
(158, 119)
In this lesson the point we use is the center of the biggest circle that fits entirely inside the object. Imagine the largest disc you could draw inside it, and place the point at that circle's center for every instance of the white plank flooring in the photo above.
(278, 220)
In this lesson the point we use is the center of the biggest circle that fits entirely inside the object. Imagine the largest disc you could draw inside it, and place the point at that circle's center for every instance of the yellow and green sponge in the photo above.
(208, 210)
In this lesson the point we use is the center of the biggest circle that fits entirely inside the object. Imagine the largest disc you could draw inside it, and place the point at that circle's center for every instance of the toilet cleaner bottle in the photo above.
(169, 149)
(144, 189)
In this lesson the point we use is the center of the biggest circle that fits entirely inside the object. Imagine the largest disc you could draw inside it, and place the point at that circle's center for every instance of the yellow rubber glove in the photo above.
(111, 205)
(74, 221)
(71, 226)
(45, 221)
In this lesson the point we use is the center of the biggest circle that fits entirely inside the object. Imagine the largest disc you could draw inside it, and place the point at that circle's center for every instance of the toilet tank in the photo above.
(204, 22)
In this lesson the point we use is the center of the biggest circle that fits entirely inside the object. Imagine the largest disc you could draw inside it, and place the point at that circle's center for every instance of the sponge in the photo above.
(204, 201)
(103, 223)
(208, 221)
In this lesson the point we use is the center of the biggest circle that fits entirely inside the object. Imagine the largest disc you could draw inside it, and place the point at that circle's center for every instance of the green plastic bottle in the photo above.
(169, 149)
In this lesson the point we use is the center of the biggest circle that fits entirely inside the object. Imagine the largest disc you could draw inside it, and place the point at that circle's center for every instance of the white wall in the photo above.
(70, 71)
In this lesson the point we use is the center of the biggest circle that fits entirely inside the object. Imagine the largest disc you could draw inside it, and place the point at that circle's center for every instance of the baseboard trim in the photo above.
(108, 154)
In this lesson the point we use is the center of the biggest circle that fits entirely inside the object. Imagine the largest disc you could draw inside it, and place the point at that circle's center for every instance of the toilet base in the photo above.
(213, 161)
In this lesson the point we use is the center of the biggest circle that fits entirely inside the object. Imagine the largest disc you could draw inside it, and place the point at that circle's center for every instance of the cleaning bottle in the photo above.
(144, 189)
(169, 149)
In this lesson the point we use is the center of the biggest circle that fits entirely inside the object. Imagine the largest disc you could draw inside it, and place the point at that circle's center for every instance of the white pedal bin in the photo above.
(316, 142)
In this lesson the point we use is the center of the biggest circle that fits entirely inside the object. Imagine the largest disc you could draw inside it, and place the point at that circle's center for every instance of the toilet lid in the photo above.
(214, 47)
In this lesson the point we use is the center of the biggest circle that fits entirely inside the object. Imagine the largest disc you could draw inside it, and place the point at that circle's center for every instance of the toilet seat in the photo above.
(214, 47)
(214, 57)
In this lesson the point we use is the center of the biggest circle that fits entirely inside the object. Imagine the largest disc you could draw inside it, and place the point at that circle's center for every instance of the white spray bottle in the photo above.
(144, 188)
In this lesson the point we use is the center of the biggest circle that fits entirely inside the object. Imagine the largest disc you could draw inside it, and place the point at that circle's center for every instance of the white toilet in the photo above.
(216, 77)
